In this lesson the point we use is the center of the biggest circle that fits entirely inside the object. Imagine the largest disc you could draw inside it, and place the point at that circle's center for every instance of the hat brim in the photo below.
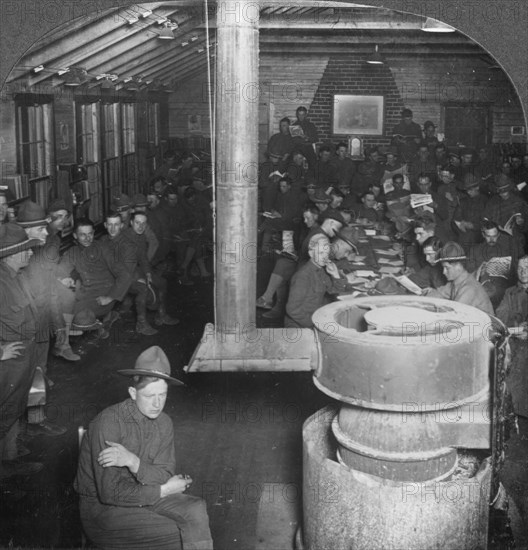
(503, 188)
(347, 241)
(142, 372)
(19, 247)
(34, 223)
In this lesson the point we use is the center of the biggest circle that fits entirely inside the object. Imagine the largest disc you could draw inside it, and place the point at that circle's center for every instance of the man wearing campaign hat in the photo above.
(19, 323)
(461, 286)
(130, 494)
(50, 290)
(42, 279)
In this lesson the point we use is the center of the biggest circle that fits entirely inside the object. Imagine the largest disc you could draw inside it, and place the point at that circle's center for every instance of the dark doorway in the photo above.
(467, 124)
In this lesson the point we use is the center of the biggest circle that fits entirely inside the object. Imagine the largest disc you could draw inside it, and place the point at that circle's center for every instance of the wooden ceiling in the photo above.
(125, 42)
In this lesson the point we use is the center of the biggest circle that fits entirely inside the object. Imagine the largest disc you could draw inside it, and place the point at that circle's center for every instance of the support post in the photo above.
(237, 100)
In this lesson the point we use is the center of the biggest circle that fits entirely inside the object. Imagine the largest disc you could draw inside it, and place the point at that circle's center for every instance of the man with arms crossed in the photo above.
(130, 494)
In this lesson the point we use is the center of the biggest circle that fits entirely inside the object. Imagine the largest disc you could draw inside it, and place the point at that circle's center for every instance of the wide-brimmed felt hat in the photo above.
(121, 202)
(389, 286)
(503, 183)
(10, 198)
(470, 181)
(348, 235)
(85, 320)
(56, 205)
(13, 239)
(321, 196)
(335, 215)
(152, 362)
(451, 252)
(139, 200)
(31, 214)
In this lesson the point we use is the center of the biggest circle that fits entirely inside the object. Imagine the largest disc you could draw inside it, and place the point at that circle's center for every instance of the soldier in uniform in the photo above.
(18, 346)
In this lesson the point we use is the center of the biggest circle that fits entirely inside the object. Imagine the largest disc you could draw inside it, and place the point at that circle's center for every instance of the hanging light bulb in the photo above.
(375, 58)
(166, 33)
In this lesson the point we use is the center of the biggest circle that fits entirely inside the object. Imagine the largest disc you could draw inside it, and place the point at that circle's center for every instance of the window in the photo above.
(34, 139)
(110, 134)
(89, 133)
(153, 124)
(129, 128)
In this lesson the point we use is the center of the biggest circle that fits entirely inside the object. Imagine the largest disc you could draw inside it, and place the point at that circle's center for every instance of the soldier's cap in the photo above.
(31, 214)
(152, 362)
(321, 196)
(139, 200)
(13, 239)
(503, 183)
(121, 202)
(470, 181)
(56, 205)
(451, 252)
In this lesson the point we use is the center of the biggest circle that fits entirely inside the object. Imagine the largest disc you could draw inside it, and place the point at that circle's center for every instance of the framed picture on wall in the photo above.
(358, 114)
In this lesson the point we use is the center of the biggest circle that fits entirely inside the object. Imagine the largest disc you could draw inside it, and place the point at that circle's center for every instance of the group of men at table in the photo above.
(462, 223)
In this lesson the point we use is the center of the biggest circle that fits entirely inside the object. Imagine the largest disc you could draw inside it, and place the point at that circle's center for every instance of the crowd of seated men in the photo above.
(460, 215)
(52, 289)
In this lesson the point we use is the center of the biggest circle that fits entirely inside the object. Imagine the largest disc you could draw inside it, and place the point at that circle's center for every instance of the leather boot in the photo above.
(143, 327)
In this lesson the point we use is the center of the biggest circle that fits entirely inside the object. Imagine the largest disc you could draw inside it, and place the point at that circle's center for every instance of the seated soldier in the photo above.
(101, 280)
(158, 221)
(286, 267)
(336, 200)
(344, 166)
(311, 283)
(323, 173)
(284, 216)
(370, 210)
(130, 494)
(281, 144)
(461, 286)
(430, 275)
(469, 212)
(508, 209)
(494, 261)
(147, 276)
(129, 254)
(199, 228)
(439, 208)
(513, 308)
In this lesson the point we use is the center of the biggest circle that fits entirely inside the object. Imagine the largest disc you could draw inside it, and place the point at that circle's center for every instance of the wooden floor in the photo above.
(237, 435)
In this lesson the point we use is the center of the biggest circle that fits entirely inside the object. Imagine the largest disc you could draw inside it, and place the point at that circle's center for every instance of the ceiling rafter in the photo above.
(77, 49)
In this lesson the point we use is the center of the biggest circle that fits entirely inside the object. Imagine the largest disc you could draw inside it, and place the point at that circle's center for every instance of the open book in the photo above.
(296, 131)
(495, 267)
(418, 199)
(510, 224)
(408, 284)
